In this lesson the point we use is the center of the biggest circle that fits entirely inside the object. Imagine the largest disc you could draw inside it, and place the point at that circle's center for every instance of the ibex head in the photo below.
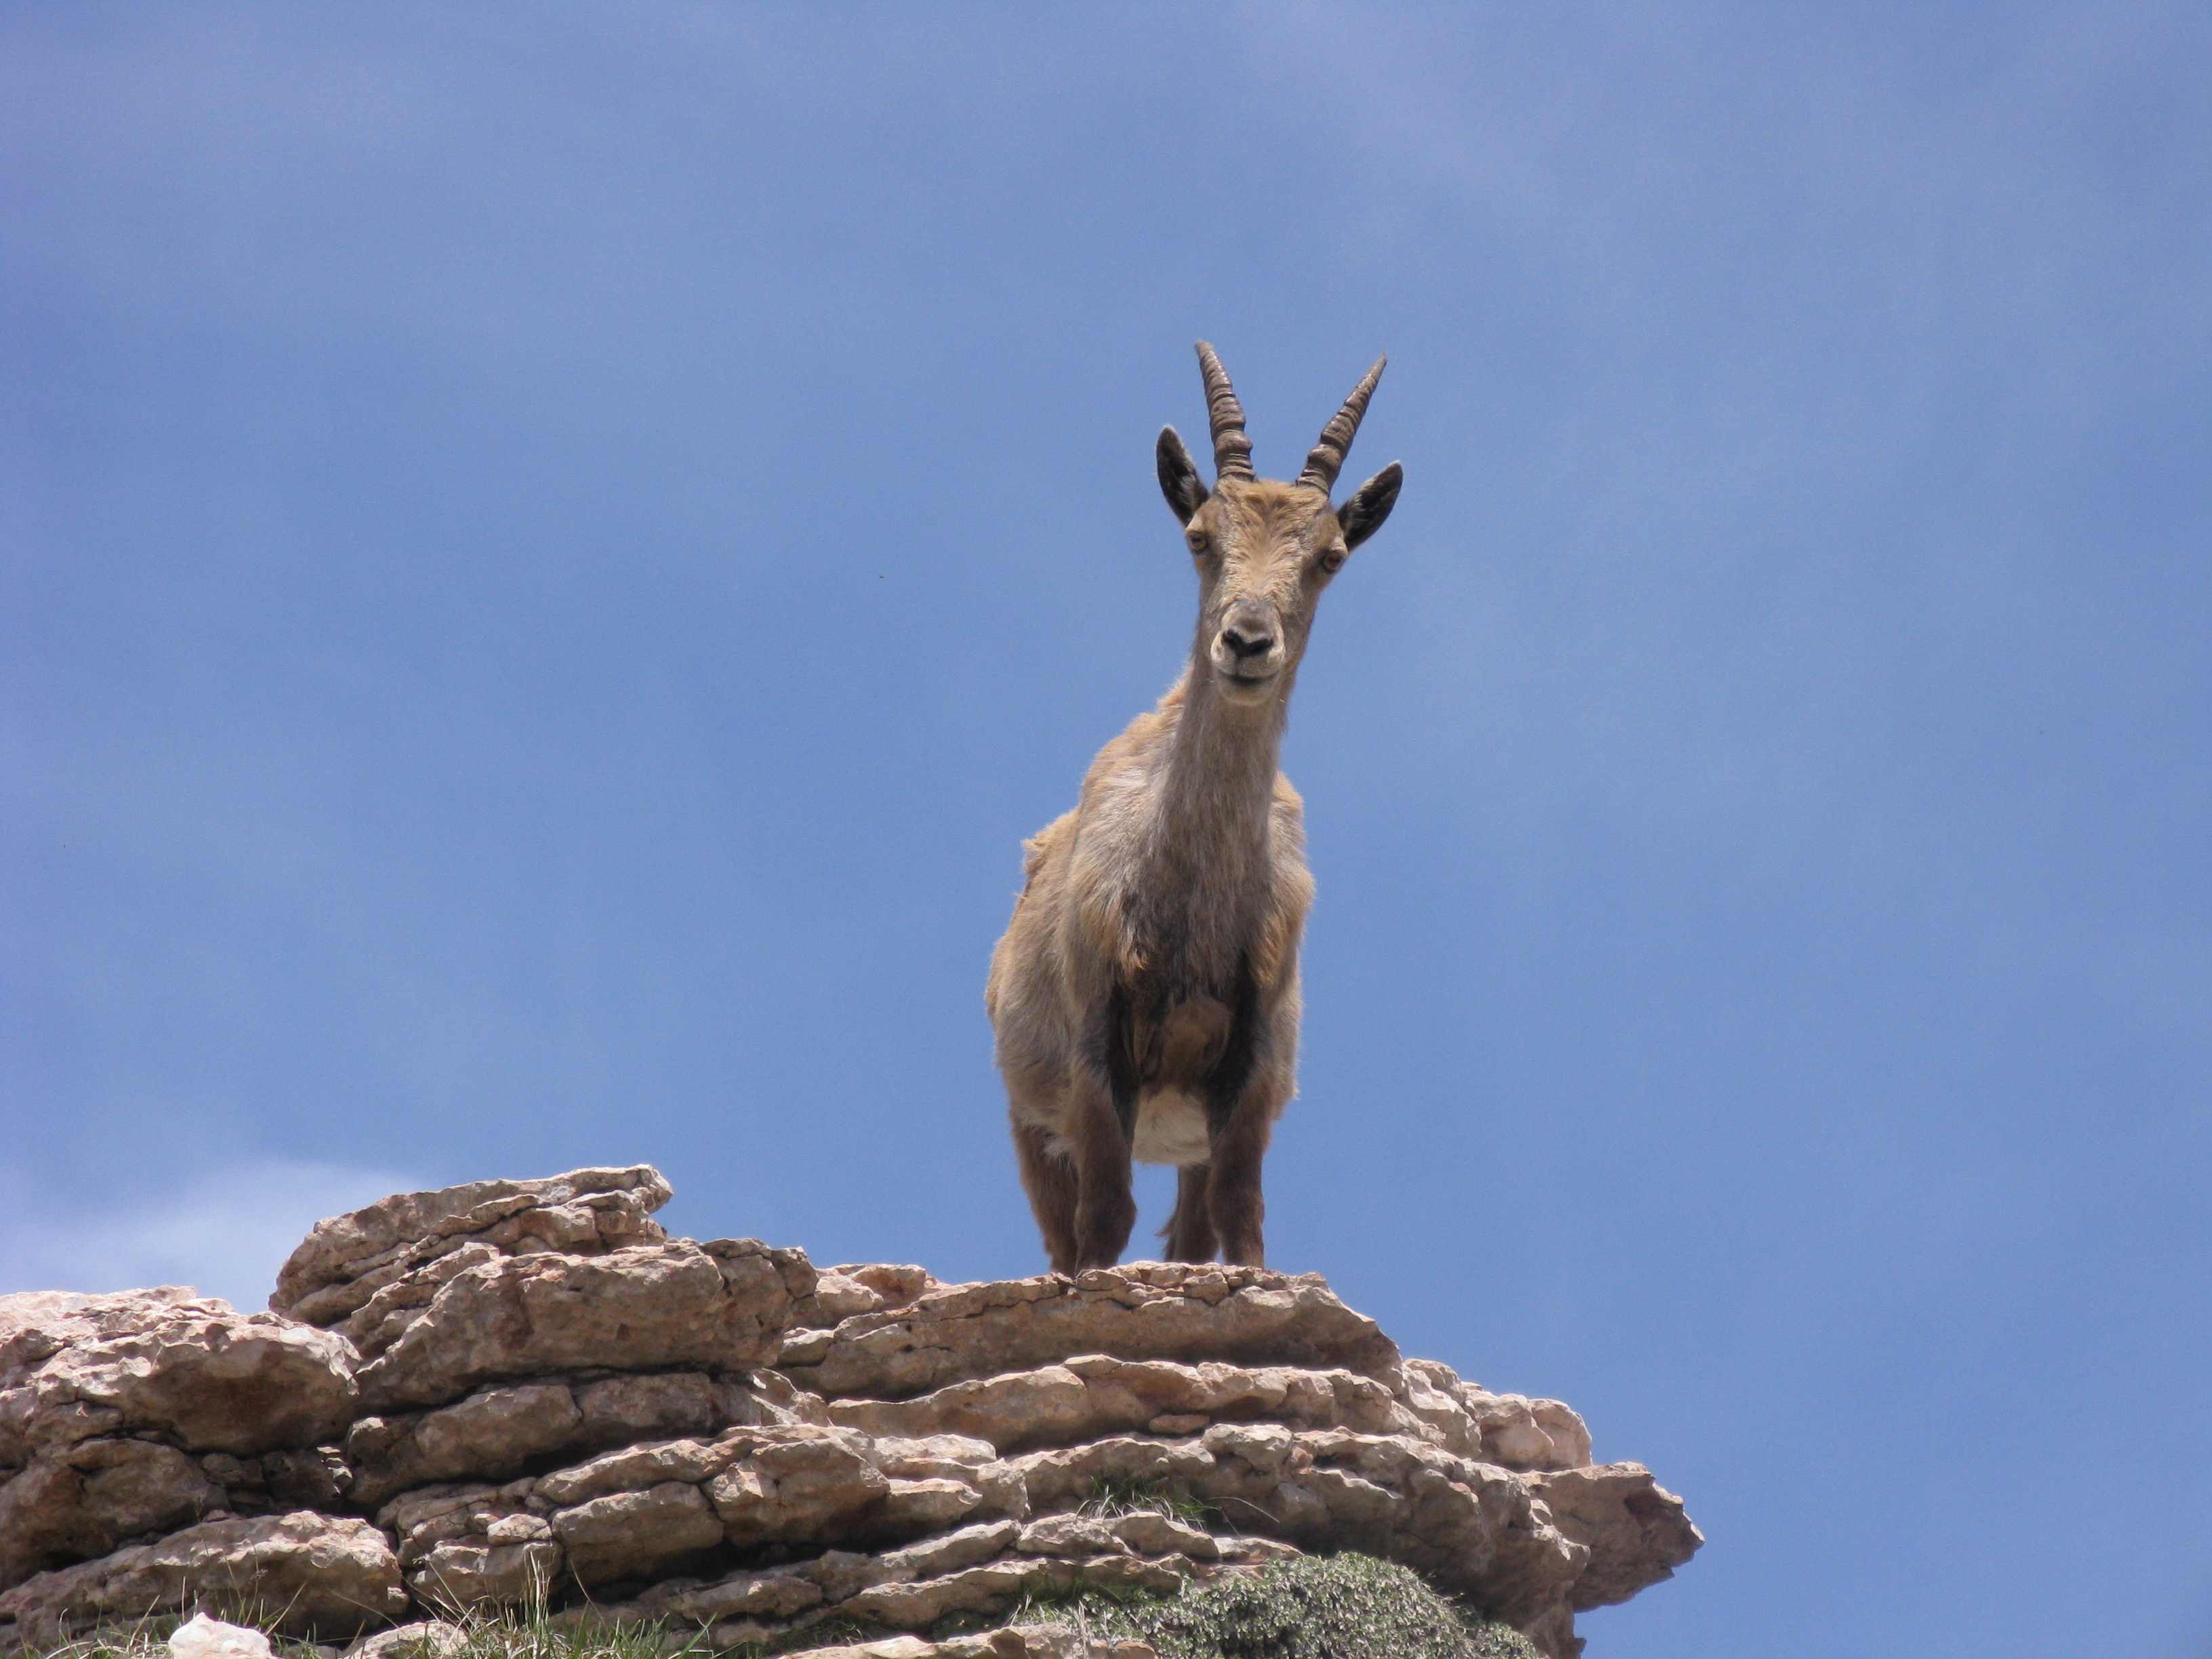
(1265, 549)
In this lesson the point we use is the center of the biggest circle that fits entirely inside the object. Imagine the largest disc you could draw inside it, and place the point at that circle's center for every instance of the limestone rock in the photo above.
(772, 1594)
(1012, 1642)
(489, 1435)
(1510, 1430)
(854, 1288)
(1095, 1394)
(1635, 1531)
(971, 1571)
(721, 1306)
(105, 1399)
(87, 1498)
(502, 1430)
(646, 1510)
(543, 1400)
(203, 1637)
(631, 1535)
(306, 1572)
(616, 1409)
(422, 1638)
(1470, 1528)
(1146, 1311)
(192, 1371)
(348, 1258)
(277, 1482)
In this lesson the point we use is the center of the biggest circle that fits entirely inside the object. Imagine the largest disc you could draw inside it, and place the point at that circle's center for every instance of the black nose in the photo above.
(1247, 641)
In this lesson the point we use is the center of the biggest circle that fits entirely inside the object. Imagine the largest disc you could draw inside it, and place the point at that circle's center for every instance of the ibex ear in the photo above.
(1365, 510)
(1179, 479)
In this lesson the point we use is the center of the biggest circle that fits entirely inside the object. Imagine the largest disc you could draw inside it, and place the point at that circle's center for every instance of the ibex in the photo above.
(1146, 994)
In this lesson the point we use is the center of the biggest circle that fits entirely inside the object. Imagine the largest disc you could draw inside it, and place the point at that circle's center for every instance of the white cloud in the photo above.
(224, 1231)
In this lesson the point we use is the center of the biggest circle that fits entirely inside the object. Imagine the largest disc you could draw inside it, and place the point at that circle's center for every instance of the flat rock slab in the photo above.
(647, 1510)
(717, 1307)
(1147, 1311)
(298, 1574)
(503, 1428)
(1093, 1395)
(192, 1371)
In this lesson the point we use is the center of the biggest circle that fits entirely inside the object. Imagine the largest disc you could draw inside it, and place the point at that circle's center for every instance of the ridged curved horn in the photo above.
(1327, 457)
(1232, 450)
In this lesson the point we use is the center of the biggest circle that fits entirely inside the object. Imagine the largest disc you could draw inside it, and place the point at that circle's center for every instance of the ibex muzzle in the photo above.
(1249, 648)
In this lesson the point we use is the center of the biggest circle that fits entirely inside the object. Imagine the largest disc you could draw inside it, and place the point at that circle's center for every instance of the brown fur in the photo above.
(1153, 958)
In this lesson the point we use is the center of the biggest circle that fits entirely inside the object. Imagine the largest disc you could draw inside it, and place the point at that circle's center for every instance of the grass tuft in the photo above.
(1112, 1498)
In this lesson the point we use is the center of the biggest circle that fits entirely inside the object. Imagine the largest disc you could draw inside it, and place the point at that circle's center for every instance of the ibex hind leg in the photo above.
(1049, 1177)
(1190, 1232)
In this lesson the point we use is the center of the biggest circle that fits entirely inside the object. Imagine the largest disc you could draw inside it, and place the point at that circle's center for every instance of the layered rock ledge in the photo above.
(519, 1394)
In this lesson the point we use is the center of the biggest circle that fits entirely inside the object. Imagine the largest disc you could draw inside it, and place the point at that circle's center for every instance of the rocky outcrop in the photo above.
(348, 1260)
(130, 1415)
(520, 1393)
(721, 1306)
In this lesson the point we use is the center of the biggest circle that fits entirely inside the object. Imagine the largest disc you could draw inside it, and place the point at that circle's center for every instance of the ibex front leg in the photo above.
(1049, 1177)
(1105, 1208)
(1102, 1127)
(1246, 1095)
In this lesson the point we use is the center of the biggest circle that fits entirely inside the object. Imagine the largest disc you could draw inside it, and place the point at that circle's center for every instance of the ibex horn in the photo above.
(1327, 457)
(1232, 450)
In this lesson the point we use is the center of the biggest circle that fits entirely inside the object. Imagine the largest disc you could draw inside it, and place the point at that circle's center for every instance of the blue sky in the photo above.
(547, 563)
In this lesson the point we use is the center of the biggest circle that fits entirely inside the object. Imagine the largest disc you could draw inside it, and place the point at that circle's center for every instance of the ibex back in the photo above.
(1146, 994)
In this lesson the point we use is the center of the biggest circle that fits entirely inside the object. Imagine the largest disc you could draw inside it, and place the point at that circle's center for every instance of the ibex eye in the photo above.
(1198, 541)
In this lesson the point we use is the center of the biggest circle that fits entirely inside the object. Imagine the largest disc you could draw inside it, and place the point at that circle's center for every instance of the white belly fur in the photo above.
(1170, 1129)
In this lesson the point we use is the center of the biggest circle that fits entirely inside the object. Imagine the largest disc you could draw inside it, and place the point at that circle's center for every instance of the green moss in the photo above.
(1341, 1606)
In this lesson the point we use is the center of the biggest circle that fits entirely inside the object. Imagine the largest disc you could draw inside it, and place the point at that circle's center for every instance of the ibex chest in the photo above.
(1184, 1037)
(1173, 1056)
(1195, 923)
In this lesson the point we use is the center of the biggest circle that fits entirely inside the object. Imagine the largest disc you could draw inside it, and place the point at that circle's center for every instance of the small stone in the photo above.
(463, 1576)
(424, 1639)
(203, 1637)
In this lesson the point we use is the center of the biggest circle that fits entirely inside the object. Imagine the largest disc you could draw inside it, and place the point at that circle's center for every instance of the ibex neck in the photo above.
(1221, 767)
